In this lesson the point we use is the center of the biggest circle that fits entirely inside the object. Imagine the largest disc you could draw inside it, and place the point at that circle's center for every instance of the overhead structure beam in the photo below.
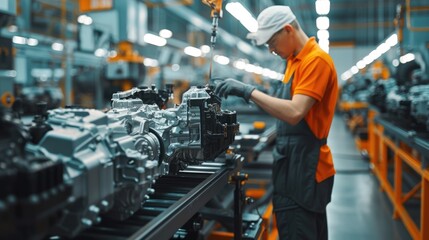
(228, 38)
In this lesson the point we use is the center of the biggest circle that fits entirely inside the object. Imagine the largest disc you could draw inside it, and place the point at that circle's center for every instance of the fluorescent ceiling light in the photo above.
(165, 33)
(150, 62)
(249, 67)
(205, 49)
(323, 34)
(32, 42)
(192, 51)
(221, 59)
(19, 40)
(346, 75)
(12, 28)
(243, 15)
(324, 42)
(367, 60)
(273, 75)
(258, 70)
(361, 64)
(374, 54)
(84, 19)
(392, 40)
(266, 72)
(239, 64)
(322, 23)
(57, 46)
(384, 47)
(154, 40)
(407, 58)
(354, 69)
(100, 52)
(323, 7)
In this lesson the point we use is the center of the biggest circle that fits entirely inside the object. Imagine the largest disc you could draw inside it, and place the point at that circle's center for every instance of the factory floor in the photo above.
(358, 210)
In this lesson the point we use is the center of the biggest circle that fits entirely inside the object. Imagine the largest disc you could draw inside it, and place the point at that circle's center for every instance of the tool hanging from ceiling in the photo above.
(216, 13)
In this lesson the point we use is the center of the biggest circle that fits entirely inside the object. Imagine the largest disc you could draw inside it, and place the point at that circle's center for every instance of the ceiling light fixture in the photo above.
(100, 52)
(19, 40)
(361, 64)
(192, 51)
(57, 46)
(322, 23)
(205, 49)
(323, 35)
(84, 19)
(221, 59)
(12, 28)
(239, 64)
(150, 62)
(392, 40)
(323, 7)
(165, 33)
(243, 15)
(32, 42)
(407, 58)
(154, 40)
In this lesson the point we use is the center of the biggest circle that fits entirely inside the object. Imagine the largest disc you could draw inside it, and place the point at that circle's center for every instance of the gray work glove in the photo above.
(231, 86)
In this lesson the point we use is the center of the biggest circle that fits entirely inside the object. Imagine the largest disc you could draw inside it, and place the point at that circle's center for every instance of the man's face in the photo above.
(280, 43)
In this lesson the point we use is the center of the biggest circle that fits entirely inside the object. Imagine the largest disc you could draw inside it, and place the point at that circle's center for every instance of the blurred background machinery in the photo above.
(385, 103)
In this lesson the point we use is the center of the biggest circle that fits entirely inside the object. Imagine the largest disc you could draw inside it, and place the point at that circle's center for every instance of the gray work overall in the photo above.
(296, 156)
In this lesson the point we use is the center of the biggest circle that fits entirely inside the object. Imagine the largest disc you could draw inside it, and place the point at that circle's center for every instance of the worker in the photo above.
(304, 105)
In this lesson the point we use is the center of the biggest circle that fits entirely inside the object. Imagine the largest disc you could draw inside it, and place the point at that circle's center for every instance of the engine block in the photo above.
(111, 159)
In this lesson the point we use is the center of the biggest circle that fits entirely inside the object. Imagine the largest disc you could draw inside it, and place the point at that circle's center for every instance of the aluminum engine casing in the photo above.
(111, 159)
(106, 175)
(419, 97)
(196, 130)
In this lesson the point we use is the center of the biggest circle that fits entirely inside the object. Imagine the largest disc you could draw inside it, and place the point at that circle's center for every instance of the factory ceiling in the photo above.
(358, 22)
(352, 23)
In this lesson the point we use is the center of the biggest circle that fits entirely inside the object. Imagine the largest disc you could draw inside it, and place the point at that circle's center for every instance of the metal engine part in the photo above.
(379, 91)
(398, 102)
(33, 191)
(106, 171)
(196, 130)
(111, 159)
(357, 90)
(31, 96)
(419, 97)
(148, 95)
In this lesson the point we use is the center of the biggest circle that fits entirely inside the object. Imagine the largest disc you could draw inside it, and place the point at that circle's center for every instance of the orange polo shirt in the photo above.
(315, 76)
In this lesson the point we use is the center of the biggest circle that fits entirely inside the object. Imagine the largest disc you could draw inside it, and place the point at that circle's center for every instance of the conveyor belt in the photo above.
(175, 200)
(404, 133)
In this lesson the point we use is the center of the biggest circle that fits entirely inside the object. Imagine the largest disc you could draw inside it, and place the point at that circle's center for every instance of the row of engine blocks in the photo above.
(71, 167)
(407, 102)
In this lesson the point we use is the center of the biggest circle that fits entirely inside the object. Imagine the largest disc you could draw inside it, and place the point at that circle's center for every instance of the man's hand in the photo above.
(233, 87)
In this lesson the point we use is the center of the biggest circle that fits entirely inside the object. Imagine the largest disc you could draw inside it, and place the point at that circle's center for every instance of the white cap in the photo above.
(271, 20)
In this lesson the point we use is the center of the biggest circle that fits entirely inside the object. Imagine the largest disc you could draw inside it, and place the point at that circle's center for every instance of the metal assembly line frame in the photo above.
(167, 223)
(383, 136)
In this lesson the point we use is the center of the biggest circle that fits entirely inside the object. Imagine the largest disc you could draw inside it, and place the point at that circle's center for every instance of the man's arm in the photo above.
(290, 111)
